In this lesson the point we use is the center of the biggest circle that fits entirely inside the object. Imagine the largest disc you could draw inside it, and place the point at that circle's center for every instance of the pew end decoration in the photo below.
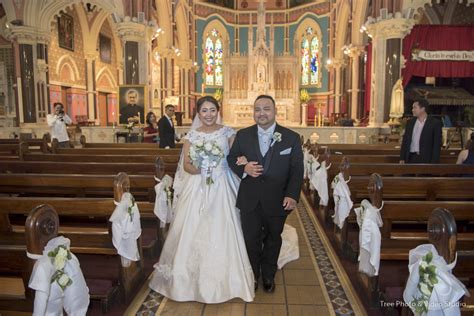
(164, 194)
(370, 221)
(341, 194)
(431, 287)
(56, 276)
(126, 234)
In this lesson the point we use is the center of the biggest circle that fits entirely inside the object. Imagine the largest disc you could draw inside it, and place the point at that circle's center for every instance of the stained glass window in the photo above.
(310, 58)
(213, 54)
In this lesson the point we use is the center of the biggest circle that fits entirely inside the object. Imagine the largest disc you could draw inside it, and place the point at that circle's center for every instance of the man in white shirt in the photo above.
(57, 122)
(422, 139)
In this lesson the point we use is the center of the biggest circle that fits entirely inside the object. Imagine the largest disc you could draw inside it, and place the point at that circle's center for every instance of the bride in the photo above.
(204, 257)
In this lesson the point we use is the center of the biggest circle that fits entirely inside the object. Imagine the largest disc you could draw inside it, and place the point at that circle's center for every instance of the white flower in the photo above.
(276, 137)
(63, 280)
(216, 151)
(60, 259)
(423, 264)
(425, 289)
(208, 146)
(199, 143)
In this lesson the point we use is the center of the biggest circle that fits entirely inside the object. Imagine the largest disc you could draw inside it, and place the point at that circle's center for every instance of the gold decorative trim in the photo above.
(346, 284)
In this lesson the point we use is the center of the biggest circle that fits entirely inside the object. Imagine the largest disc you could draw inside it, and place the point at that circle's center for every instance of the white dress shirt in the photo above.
(169, 120)
(265, 138)
(415, 138)
(58, 127)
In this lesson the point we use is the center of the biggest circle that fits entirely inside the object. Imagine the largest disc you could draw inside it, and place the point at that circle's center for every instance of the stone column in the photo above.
(304, 115)
(354, 54)
(337, 65)
(29, 47)
(91, 58)
(382, 30)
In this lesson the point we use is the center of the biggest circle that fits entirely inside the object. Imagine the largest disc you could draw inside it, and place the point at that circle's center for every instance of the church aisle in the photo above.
(315, 284)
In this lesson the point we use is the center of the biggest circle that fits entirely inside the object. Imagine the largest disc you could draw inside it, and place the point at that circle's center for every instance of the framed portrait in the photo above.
(105, 47)
(66, 32)
(132, 103)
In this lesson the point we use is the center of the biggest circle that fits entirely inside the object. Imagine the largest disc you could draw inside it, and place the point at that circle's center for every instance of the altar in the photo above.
(261, 72)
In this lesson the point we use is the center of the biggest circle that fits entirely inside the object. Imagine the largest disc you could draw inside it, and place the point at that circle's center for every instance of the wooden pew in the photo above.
(118, 151)
(90, 240)
(34, 144)
(74, 185)
(85, 144)
(134, 168)
(40, 226)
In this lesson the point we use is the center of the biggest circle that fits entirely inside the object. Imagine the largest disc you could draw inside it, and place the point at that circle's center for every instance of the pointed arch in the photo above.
(182, 25)
(69, 61)
(342, 25)
(308, 38)
(215, 46)
(106, 73)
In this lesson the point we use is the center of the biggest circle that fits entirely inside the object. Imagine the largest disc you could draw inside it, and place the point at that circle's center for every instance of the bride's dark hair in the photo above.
(207, 98)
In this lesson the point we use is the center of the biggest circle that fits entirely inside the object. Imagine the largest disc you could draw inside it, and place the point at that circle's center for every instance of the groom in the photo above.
(270, 187)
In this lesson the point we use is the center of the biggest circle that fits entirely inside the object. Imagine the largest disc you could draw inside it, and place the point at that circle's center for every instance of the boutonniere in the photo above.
(276, 138)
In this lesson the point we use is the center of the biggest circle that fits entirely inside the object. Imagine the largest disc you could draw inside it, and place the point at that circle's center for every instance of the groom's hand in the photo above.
(289, 204)
(253, 169)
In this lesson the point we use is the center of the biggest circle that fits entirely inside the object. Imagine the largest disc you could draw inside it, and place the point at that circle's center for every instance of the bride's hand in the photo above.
(242, 161)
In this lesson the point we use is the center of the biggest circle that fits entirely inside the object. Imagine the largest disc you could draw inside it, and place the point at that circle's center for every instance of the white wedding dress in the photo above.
(204, 257)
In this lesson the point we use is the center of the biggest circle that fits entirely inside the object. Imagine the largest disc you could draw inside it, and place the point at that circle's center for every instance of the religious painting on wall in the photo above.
(66, 32)
(105, 47)
(132, 104)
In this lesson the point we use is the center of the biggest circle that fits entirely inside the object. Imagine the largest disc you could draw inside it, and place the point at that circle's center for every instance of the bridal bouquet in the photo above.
(206, 155)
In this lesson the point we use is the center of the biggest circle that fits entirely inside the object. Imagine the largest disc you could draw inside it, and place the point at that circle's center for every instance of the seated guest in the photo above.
(422, 139)
(466, 156)
(150, 133)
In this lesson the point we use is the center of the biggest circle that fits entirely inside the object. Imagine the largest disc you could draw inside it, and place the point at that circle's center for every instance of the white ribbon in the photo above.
(50, 299)
(446, 293)
(319, 180)
(163, 208)
(370, 221)
(126, 229)
(342, 200)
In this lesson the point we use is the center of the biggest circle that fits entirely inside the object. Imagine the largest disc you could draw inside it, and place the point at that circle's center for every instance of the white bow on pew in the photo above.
(342, 200)
(370, 221)
(446, 289)
(306, 162)
(58, 281)
(319, 180)
(163, 201)
(126, 229)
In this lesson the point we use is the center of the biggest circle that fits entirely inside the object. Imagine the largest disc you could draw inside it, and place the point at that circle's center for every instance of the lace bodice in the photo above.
(220, 136)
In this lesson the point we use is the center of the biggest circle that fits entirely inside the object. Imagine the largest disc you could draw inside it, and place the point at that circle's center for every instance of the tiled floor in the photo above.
(298, 289)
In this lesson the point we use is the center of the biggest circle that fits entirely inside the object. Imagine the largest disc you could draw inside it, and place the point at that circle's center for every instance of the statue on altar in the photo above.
(397, 103)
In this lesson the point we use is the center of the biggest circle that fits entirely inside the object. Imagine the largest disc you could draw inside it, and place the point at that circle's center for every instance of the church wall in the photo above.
(55, 53)
(279, 45)
(244, 40)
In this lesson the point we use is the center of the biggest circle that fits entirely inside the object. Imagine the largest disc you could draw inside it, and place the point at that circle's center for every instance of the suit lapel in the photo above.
(269, 154)
(257, 144)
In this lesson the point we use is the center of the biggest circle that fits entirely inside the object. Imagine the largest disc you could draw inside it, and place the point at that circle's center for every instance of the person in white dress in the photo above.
(204, 257)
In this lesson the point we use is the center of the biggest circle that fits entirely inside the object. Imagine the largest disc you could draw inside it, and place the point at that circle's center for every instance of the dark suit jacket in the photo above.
(430, 140)
(282, 176)
(166, 131)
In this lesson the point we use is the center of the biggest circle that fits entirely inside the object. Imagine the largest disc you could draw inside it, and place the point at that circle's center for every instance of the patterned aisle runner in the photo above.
(315, 284)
